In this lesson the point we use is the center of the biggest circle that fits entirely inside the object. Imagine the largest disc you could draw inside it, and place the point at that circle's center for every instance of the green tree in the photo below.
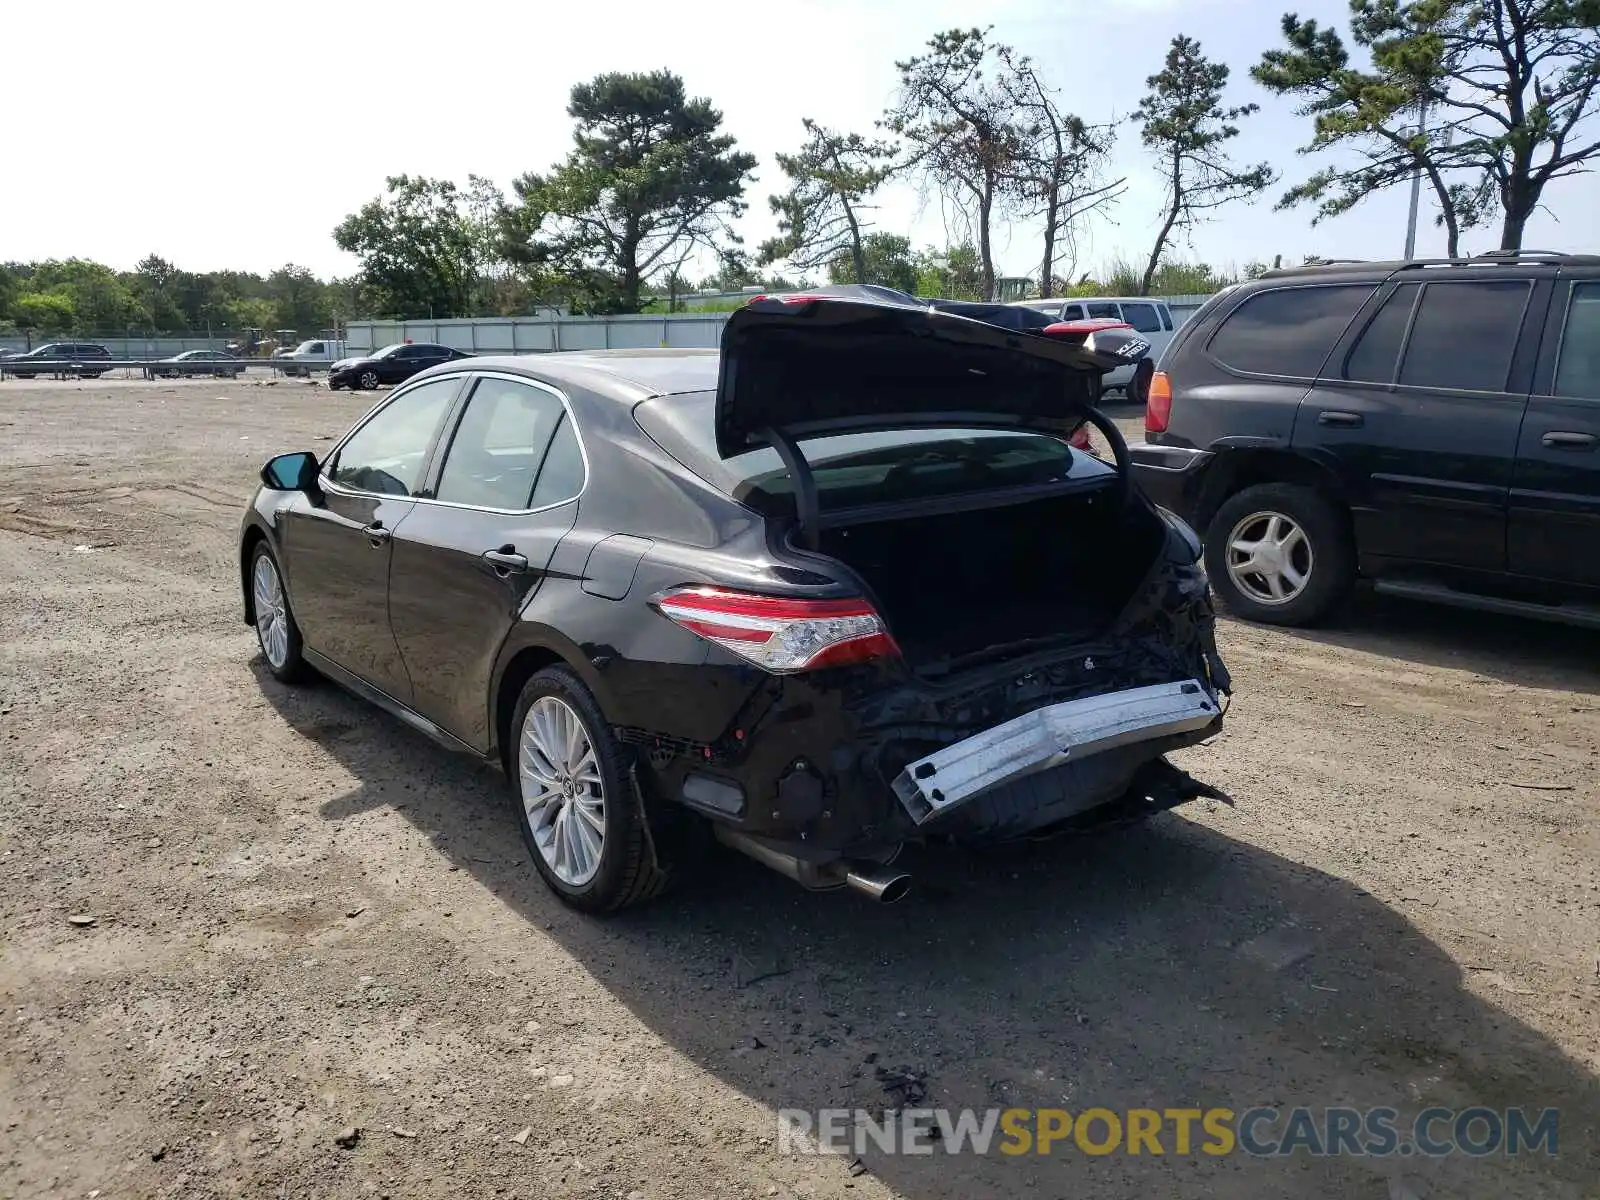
(954, 273)
(822, 215)
(45, 312)
(650, 180)
(886, 259)
(417, 248)
(1510, 86)
(958, 115)
(1061, 172)
(1184, 124)
(299, 300)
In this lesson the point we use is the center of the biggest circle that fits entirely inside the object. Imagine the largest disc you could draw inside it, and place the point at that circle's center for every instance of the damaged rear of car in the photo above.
(947, 623)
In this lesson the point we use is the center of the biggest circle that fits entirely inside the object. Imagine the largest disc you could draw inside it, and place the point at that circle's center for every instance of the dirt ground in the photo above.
(307, 919)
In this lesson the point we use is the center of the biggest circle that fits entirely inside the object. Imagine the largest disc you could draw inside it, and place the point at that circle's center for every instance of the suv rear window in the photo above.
(860, 469)
(1287, 331)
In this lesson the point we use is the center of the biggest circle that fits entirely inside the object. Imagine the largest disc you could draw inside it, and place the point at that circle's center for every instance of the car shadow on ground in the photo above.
(1167, 965)
(1517, 650)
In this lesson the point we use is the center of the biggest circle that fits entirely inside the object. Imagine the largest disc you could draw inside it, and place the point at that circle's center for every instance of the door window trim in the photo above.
(325, 481)
(1565, 318)
(453, 422)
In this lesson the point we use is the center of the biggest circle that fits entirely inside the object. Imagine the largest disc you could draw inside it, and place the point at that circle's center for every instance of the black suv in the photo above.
(43, 359)
(1433, 426)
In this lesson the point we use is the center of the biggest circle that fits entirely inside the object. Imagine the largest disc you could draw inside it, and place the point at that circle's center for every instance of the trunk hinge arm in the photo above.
(808, 508)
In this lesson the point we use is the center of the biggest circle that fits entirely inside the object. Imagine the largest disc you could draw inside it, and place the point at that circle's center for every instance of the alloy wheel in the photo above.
(272, 612)
(1269, 557)
(562, 791)
(369, 380)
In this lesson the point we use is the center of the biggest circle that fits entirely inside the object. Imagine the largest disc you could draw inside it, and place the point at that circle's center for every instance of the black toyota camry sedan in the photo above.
(844, 585)
(392, 364)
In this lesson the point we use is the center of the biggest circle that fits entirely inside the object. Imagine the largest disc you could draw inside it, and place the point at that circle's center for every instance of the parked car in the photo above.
(199, 362)
(53, 356)
(843, 586)
(392, 364)
(1433, 426)
(1152, 318)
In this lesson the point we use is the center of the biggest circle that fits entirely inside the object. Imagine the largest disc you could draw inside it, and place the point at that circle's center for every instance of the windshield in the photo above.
(388, 350)
(857, 469)
(306, 347)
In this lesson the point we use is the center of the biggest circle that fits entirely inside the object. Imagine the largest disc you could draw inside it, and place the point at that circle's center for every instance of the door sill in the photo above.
(1585, 616)
(366, 691)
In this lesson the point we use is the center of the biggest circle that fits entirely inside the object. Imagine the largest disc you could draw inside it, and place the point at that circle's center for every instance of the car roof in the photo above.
(1383, 268)
(628, 374)
(1090, 300)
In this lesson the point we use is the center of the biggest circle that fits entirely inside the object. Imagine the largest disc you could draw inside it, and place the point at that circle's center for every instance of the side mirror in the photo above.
(292, 473)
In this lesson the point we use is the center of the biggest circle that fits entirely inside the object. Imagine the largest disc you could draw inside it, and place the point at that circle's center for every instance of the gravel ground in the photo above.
(307, 919)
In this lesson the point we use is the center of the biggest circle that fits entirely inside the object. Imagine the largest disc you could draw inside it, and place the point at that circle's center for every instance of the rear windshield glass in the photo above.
(859, 469)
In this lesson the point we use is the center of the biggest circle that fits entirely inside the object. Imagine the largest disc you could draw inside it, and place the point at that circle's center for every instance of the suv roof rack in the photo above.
(1490, 258)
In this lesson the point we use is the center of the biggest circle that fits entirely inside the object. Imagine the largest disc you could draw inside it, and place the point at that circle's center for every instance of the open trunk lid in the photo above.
(815, 364)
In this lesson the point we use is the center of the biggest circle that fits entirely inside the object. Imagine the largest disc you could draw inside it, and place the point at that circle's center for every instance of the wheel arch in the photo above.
(1235, 470)
(253, 536)
(523, 657)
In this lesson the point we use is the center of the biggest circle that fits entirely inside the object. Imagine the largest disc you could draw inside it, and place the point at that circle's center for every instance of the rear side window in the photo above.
(501, 443)
(1376, 354)
(1578, 370)
(1142, 317)
(1465, 334)
(1166, 317)
(1287, 331)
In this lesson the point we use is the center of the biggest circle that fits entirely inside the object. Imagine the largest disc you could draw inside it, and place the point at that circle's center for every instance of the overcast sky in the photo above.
(350, 93)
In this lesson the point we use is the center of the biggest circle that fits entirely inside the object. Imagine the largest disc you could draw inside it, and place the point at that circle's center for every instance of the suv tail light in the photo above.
(1158, 403)
(781, 634)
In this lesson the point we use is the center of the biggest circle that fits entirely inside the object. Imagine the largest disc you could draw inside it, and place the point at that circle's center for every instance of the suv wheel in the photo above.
(1281, 554)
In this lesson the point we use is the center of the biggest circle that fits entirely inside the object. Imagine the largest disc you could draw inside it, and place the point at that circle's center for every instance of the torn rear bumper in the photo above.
(1051, 737)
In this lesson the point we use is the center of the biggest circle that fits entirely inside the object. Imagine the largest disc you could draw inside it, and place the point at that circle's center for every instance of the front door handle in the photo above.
(377, 535)
(506, 560)
(1561, 439)
(1334, 417)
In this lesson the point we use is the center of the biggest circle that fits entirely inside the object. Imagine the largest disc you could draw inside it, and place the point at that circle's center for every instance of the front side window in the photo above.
(1464, 335)
(1578, 369)
(506, 443)
(1073, 312)
(1287, 331)
(386, 455)
(1142, 317)
(1104, 310)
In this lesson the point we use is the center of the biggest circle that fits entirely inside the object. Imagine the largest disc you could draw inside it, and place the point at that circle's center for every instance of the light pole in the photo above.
(1416, 183)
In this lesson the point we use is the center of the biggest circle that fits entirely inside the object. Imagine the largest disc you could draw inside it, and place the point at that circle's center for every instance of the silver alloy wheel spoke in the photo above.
(563, 793)
(1269, 558)
(272, 613)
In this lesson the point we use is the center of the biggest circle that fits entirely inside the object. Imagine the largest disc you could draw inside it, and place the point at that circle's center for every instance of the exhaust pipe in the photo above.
(886, 887)
(875, 882)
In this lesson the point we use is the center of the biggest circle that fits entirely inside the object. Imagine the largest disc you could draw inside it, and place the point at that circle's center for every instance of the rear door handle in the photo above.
(377, 534)
(1335, 417)
(1561, 439)
(506, 561)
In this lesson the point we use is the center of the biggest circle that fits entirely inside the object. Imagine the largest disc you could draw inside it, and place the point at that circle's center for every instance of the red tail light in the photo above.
(1158, 403)
(780, 634)
(1081, 440)
(797, 298)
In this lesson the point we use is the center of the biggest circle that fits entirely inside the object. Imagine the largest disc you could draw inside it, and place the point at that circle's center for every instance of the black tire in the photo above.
(628, 873)
(293, 668)
(1138, 390)
(1329, 567)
